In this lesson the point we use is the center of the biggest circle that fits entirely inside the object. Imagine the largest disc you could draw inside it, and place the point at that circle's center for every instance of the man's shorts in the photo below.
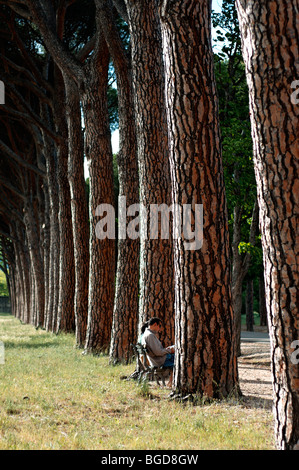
(169, 361)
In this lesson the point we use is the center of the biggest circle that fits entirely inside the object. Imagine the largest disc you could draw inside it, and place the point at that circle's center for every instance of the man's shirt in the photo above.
(156, 352)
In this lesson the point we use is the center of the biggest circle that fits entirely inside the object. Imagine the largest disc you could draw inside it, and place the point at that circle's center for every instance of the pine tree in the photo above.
(270, 50)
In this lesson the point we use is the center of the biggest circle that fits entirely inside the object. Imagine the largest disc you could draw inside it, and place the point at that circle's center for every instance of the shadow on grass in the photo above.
(27, 344)
(256, 402)
(31, 341)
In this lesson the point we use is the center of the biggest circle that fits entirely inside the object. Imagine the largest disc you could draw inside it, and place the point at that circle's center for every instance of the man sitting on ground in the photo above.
(158, 356)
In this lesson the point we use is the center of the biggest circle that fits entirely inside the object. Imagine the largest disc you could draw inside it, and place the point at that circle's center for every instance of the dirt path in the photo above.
(255, 373)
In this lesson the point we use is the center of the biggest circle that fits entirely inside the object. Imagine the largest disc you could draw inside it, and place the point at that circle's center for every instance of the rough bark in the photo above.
(156, 255)
(237, 274)
(19, 274)
(249, 305)
(262, 302)
(36, 263)
(205, 346)
(50, 317)
(22, 251)
(91, 79)
(79, 209)
(99, 155)
(46, 247)
(269, 32)
(66, 286)
(125, 314)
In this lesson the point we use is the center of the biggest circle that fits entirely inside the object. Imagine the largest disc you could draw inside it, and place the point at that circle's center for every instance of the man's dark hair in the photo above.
(154, 320)
(143, 327)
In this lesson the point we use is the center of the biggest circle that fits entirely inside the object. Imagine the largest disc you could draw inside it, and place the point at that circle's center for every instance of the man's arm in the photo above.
(154, 345)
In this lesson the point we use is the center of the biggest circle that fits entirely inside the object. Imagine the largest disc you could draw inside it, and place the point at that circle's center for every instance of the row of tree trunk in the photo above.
(62, 276)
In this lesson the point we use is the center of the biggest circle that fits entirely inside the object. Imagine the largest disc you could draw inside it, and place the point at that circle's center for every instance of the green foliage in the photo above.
(234, 118)
(3, 285)
(113, 108)
(144, 389)
(256, 264)
(253, 250)
(235, 126)
(237, 164)
(227, 29)
(80, 24)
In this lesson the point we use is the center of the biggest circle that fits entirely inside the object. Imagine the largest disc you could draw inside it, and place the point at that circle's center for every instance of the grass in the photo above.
(53, 397)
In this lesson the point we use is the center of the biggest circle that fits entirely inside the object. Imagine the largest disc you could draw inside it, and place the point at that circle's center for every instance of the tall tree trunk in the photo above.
(52, 204)
(205, 361)
(36, 262)
(240, 265)
(262, 302)
(269, 32)
(249, 305)
(79, 208)
(13, 289)
(91, 80)
(46, 246)
(19, 272)
(102, 251)
(66, 289)
(125, 314)
(53, 264)
(238, 275)
(22, 251)
(156, 255)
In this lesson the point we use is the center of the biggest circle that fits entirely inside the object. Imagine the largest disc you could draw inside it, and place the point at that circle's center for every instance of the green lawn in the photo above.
(53, 397)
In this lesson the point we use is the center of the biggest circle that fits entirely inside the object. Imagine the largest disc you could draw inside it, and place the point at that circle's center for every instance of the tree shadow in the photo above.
(256, 402)
(29, 345)
(260, 382)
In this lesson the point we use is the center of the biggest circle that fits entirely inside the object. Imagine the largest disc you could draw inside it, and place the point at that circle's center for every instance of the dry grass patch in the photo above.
(53, 397)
